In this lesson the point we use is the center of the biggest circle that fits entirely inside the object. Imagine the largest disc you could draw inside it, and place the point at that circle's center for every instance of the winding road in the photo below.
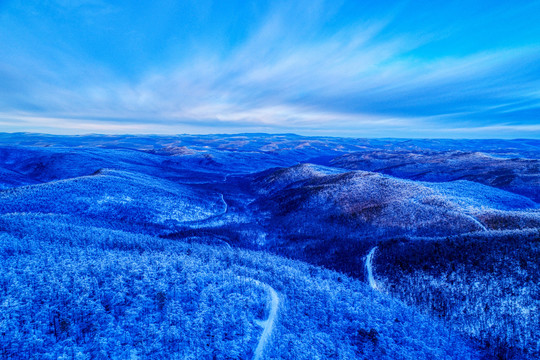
(268, 324)
(224, 203)
(369, 269)
(200, 222)
(477, 222)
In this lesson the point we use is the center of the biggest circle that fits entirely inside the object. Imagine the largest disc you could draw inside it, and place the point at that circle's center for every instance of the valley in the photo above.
(260, 246)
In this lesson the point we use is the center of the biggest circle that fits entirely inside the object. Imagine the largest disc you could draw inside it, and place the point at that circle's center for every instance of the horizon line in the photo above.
(260, 134)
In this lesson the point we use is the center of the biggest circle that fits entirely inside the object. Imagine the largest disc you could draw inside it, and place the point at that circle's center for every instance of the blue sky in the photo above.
(456, 69)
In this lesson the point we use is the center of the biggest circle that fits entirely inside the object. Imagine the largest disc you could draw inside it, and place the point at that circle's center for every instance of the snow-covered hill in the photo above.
(181, 247)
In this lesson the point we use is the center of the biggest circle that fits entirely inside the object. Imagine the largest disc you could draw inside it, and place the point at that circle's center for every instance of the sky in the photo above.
(439, 69)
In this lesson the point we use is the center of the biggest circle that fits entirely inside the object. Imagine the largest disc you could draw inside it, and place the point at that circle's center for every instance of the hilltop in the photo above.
(256, 246)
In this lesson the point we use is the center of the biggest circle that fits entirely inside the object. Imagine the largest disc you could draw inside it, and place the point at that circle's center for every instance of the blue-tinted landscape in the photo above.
(264, 180)
(256, 246)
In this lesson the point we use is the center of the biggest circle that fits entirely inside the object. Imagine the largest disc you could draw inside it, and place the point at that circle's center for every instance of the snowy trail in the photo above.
(268, 324)
(211, 217)
(224, 243)
(475, 220)
(369, 269)
(225, 203)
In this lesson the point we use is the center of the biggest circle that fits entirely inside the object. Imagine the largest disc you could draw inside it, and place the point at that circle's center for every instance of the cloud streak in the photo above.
(362, 79)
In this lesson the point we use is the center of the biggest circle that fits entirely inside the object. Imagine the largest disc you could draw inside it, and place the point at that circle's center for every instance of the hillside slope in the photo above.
(135, 247)
(378, 205)
(505, 171)
(84, 292)
(486, 286)
(333, 218)
(129, 199)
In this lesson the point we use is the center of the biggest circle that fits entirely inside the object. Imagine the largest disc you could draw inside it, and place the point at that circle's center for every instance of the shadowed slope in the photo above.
(371, 203)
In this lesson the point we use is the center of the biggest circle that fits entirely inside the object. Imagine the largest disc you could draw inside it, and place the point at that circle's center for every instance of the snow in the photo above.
(369, 268)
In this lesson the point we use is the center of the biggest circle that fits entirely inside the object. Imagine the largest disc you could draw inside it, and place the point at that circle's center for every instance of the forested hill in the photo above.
(254, 246)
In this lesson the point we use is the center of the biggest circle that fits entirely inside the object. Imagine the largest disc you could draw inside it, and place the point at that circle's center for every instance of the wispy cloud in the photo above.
(282, 77)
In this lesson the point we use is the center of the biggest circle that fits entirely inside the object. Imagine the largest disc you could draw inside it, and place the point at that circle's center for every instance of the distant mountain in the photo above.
(181, 246)
(505, 171)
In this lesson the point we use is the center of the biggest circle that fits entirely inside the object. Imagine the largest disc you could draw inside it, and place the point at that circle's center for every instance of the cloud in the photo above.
(287, 76)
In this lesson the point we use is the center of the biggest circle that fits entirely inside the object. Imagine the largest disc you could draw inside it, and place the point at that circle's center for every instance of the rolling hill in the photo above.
(131, 200)
(372, 204)
(257, 246)
(507, 171)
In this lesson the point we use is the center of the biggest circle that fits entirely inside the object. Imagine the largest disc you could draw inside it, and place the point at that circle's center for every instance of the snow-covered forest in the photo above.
(254, 247)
